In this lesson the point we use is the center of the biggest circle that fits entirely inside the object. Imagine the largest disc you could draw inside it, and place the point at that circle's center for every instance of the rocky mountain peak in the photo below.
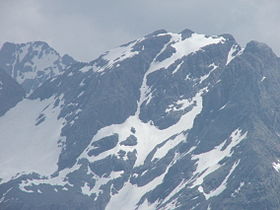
(32, 63)
(167, 121)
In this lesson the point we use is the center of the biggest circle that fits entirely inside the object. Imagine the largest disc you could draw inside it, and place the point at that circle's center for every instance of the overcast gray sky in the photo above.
(86, 28)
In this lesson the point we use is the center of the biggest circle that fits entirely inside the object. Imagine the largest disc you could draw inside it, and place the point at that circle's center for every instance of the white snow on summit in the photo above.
(185, 47)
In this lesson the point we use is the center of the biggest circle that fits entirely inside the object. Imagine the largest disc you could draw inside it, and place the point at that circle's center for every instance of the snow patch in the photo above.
(4, 195)
(185, 47)
(82, 83)
(130, 195)
(208, 162)
(147, 206)
(263, 78)
(224, 106)
(162, 151)
(177, 68)
(234, 194)
(118, 54)
(36, 148)
(80, 94)
(86, 190)
(276, 165)
(222, 186)
(204, 77)
(59, 180)
(233, 53)
(179, 105)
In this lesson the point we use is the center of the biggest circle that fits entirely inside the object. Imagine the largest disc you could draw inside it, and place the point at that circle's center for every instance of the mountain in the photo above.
(167, 121)
(32, 63)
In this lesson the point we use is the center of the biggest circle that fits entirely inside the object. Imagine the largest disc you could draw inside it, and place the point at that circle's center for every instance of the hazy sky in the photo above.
(86, 28)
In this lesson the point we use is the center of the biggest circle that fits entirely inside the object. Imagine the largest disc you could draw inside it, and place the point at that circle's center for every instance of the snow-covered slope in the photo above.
(167, 121)
(34, 139)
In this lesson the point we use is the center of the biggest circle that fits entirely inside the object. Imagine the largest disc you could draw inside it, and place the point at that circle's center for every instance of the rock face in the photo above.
(10, 92)
(168, 121)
